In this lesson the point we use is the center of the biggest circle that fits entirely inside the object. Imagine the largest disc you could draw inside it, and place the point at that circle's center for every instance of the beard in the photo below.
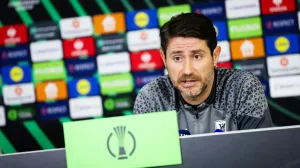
(193, 94)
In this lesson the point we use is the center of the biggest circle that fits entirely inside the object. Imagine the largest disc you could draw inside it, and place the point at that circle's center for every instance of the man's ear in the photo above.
(163, 57)
(216, 55)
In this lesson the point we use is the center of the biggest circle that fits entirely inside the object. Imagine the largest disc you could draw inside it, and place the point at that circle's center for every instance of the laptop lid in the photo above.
(143, 140)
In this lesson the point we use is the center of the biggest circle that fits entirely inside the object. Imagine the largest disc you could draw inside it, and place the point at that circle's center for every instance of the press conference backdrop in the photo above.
(70, 60)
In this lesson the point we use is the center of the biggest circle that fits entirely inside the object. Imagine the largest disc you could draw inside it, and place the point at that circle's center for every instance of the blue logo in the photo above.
(221, 30)
(52, 111)
(14, 54)
(278, 24)
(142, 78)
(141, 19)
(81, 67)
(16, 74)
(83, 87)
(276, 45)
(214, 11)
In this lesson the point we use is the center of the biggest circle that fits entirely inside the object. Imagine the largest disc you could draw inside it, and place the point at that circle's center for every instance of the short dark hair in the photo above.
(189, 25)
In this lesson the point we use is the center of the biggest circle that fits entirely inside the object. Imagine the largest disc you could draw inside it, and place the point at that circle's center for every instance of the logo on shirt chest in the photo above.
(220, 125)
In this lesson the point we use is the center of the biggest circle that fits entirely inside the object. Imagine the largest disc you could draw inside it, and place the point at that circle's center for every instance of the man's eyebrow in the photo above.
(193, 51)
(197, 51)
(176, 52)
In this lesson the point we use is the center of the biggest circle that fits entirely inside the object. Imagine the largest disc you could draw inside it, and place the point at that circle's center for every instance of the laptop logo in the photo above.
(125, 148)
(220, 125)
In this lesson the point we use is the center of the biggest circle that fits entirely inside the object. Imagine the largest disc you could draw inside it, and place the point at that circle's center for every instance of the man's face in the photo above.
(190, 65)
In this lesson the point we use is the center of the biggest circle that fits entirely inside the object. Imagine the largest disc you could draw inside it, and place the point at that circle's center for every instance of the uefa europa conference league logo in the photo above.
(123, 147)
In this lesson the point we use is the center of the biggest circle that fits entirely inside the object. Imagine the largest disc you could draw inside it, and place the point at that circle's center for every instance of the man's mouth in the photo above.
(188, 83)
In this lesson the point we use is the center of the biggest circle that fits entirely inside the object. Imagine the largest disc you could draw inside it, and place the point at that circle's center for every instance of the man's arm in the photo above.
(253, 111)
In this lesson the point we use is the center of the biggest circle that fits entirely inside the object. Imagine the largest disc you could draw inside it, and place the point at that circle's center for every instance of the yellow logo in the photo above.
(282, 44)
(16, 74)
(141, 19)
(83, 86)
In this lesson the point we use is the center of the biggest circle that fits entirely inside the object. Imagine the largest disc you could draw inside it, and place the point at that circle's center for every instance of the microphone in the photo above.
(184, 132)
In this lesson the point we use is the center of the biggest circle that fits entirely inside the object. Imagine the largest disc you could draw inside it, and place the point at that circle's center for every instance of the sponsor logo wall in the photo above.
(93, 66)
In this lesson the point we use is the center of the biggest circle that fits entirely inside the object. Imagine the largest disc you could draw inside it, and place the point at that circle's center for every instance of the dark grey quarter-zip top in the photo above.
(237, 102)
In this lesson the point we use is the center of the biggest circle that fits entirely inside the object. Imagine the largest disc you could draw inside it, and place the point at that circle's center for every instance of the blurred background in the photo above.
(69, 60)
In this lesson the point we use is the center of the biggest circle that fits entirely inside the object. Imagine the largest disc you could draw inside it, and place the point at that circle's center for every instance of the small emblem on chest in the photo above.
(220, 125)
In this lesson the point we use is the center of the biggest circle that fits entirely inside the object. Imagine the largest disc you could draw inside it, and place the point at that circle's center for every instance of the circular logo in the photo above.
(78, 45)
(109, 104)
(146, 57)
(141, 19)
(12, 114)
(143, 36)
(284, 61)
(83, 86)
(18, 90)
(100, 43)
(16, 74)
(11, 32)
(282, 44)
(277, 2)
(122, 144)
(75, 24)
(33, 30)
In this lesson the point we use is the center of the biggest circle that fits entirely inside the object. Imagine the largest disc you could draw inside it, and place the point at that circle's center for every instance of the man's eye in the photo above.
(197, 57)
(177, 58)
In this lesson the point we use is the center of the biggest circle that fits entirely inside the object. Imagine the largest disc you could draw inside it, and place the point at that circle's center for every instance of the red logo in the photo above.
(138, 80)
(44, 111)
(146, 60)
(13, 34)
(269, 25)
(284, 61)
(143, 36)
(76, 23)
(18, 91)
(4, 55)
(277, 6)
(79, 47)
(225, 65)
(198, 11)
(71, 68)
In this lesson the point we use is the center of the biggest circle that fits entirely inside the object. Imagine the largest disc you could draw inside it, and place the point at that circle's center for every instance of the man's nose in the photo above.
(188, 67)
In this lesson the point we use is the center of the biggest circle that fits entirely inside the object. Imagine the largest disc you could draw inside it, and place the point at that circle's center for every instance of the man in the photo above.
(205, 97)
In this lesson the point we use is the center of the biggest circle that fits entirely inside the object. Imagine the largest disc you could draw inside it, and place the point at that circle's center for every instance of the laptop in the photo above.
(143, 140)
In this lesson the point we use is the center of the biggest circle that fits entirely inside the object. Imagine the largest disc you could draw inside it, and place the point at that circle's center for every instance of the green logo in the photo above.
(123, 150)
(21, 113)
(100, 42)
(245, 28)
(166, 13)
(238, 66)
(116, 84)
(49, 71)
(117, 103)
(33, 30)
(109, 104)
(12, 114)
